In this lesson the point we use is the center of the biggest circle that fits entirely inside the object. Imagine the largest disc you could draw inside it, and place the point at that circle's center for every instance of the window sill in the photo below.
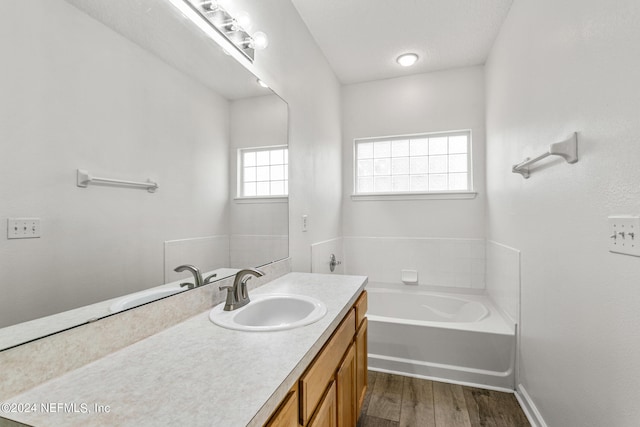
(444, 195)
(274, 199)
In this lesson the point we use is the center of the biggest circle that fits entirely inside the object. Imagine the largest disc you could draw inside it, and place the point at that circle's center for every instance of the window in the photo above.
(427, 163)
(263, 172)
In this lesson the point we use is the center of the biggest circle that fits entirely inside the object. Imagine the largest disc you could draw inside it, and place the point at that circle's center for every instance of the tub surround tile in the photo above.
(478, 249)
(456, 263)
(28, 365)
(478, 267)
(196, 373)
(208, 253)
(321, 252)
(253, 249)
(503, 278)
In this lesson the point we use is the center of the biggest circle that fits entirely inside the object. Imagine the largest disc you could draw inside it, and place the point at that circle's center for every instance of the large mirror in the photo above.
(129, 91)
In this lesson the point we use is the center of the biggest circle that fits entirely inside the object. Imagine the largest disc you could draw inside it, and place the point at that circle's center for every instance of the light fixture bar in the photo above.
(227, 26)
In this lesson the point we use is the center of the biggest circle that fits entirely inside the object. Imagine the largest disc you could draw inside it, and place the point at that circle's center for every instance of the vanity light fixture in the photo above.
(407, 59)
(232, 26)
(260, 40)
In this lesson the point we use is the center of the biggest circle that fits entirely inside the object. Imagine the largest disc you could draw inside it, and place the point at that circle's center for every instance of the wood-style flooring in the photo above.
(397, 401)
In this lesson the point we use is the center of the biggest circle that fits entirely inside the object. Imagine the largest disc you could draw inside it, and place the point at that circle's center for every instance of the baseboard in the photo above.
(529, 408)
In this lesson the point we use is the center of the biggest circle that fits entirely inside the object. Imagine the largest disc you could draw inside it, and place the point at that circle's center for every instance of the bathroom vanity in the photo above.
(198, 373)
(334, 384)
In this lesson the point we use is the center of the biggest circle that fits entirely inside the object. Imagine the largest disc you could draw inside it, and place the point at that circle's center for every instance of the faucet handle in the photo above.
(197, 276)
(227, 287)
(252, 271)
(210, 278)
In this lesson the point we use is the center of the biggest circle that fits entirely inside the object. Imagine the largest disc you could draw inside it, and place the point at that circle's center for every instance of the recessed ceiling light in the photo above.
(263, 84)
(407, 59)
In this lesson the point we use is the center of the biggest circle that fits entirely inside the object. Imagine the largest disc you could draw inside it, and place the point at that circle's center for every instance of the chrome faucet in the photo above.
(238, 294)
(197, 276)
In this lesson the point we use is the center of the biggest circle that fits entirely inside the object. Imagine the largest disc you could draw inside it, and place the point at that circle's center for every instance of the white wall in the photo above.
(77, 95)
(440, 101)
(383, 237)
(559, 67)
(296, 69)
(259, 228)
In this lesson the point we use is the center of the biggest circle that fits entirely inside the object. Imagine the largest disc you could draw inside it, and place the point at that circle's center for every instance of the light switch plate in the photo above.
(624, 234)
(23, 228)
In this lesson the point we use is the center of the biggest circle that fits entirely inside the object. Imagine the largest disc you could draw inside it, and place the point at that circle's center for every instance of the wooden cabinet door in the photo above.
(287, 413)
(322, 371)
(361, 364)
(326, 415)
(361, 306)
(346, 389)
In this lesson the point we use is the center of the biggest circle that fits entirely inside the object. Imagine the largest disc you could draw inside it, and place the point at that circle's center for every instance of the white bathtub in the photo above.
(450, 337)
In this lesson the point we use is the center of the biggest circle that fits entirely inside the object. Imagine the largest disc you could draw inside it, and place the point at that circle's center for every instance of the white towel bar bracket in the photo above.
(567, 149)
(84, 178)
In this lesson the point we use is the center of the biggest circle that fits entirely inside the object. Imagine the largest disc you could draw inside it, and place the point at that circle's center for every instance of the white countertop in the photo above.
(194, 373)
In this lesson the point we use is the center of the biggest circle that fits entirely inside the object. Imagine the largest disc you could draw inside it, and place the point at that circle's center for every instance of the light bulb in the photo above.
(243, 20)
(229, 6)
(260, 40)
(407, 59)
(209, 5)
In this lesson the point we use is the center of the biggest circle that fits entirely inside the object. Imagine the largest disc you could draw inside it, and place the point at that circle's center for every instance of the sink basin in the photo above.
(144, 297)
(270, 313)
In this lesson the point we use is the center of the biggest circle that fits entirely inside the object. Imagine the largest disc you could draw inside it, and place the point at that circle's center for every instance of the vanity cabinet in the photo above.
(287, 413)
(361, 363)
(331, 391)
(325, 416)
(361, 349)
(346, 389)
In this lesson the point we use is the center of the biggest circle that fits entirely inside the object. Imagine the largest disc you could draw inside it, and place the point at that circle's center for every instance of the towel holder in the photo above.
(84, 178)
(567, 149)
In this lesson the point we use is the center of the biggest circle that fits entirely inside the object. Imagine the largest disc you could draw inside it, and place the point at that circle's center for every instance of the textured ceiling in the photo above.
(362, 38)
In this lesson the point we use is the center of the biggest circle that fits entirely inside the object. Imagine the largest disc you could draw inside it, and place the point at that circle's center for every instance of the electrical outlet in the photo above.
(624, 234)
(23, 228)
(305, 222)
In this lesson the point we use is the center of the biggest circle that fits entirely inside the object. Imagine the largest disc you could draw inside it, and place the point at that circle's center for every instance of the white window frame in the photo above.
(240, 197)
(469, 193)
